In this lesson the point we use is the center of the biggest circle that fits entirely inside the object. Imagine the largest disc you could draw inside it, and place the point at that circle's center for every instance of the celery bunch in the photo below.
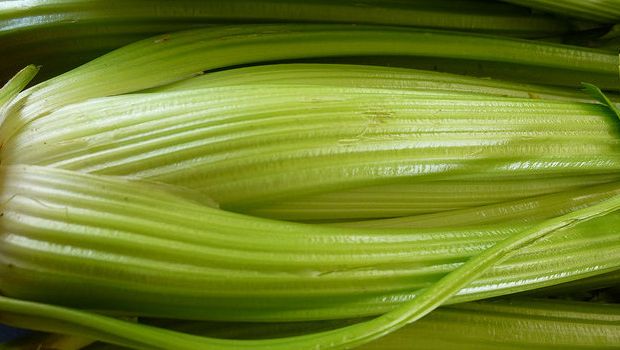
(328, 203)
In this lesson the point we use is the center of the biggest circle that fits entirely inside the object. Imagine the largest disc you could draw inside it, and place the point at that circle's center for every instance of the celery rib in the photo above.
(354, 75)
(64, 34)
(81, 230)
(500, 18)
(181, 55)
(117, 331)
(583, 325)
(295, 141)
(518, 322)
(16, 84)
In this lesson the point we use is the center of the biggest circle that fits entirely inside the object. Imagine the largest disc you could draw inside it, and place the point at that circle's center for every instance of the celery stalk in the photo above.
(100, 242)
(248, 146)
(172, 57)
(65, 33)
(48, 317)
(16, 84)
(374, 77)
(500, 324)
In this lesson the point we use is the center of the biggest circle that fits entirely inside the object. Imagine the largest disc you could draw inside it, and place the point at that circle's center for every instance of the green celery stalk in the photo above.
(469, 15)
(374, 77)
(14, 86)
(99, 242)
(248, 146)
(65, 33)
(514, 323)
(177, 56)
(499, 324)
(54, 318)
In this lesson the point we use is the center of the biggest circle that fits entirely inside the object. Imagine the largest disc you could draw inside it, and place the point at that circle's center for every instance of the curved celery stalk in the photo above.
(99, 242)
(59, 49)
(500, 324)
(62, 34)
(180, 55)
(246, 146)
(16, 84)
(512, 324)
(595, 92)
(139, 336)
(374, 77)
(469, 15)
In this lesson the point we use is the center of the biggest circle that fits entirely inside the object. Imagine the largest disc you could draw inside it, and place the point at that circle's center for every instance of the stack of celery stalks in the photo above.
(281, 174)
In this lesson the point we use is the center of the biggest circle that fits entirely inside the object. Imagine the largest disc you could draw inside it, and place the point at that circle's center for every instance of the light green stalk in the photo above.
(470, 15)
(172, 57)
(101, 243)
(16, 84)
(353, 75)
(62, 34)
(247, 146)
(508, 324)
(138, 336)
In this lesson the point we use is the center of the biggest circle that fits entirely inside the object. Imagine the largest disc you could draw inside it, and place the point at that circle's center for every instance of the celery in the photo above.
(483, 69)
(468, 15)
(65, 33)
(501, 324)
(172, 57)
(99, 242)
(121, 178)
(54, 318)
(511, 324)
(374, 77)
(247, 146)
(16, 84)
